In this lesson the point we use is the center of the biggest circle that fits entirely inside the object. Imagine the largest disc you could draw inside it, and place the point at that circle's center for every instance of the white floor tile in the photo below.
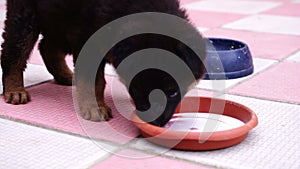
(221, 85)
(296, 1)
(2, 15)
(34, 74)
(1, 38)
(295, 57)
(202, 29)
(272, 144)
(232, 6)
(268, 24)
(23, 146)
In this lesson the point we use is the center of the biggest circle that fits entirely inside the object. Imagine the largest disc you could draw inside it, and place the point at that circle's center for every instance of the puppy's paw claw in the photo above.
(17, 97)
(105, 112)
(101, 113)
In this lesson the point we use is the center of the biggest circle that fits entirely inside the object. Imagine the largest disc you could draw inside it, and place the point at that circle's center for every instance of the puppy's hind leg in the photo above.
(21, 33)
(55, 62)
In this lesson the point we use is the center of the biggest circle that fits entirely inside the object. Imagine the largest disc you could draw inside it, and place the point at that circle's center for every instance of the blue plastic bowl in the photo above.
(227, 59)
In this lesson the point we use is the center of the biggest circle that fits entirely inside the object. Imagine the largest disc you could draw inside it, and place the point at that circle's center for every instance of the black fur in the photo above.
(66, 25)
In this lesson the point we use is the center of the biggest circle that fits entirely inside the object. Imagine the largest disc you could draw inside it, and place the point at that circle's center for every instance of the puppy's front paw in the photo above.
(17, 97)
(96, 113)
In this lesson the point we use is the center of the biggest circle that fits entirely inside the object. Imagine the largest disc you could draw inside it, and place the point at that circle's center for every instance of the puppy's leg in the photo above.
(21, 33)
(100, 86)
(92, 108)
(55, 62)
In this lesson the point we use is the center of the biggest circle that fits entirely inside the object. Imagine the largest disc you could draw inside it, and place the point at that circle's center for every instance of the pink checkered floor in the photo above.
(47, 133)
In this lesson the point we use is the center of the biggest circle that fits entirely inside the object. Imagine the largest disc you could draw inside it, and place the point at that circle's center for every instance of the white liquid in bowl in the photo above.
(202, 122)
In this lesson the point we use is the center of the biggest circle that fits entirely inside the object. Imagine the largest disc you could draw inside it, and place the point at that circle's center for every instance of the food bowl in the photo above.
(227, 59)
(201, 123)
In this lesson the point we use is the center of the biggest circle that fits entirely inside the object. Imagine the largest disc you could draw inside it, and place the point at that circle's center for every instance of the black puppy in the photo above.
(66, 25)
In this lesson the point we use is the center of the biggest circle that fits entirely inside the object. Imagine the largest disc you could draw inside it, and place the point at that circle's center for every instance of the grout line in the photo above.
(111, 143)
(285, 59)
(150, 152)
(220, 93)
(226, 90)
(253, 75)
(264, 99)
(103, 158)
(36, 84)
(127, 146)
(111, 154)
(40, 126)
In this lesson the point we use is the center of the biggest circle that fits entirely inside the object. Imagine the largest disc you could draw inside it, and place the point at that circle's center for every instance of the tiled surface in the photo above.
(34, 74)
(2, 15)
(224, 85)
(134, 160)
(233, 6)
(268, 24)
(289, 9)
(182, 3)
(262, 45)
(295, 57)
(273, 144)
(278, 83)
(52, 107)
(212, 19)
(54, 137)
(23, 146)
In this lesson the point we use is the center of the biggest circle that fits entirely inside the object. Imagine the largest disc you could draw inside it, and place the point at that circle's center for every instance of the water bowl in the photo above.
(201, 123)
(227, 59)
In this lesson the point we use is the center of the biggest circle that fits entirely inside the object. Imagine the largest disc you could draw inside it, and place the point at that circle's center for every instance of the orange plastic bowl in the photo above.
(194, 140)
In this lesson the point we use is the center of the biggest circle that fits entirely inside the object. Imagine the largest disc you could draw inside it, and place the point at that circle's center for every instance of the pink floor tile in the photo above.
(280, 83)
(277, 0)
(184, 2)
(233, 6)
(290, 9)
(52, 107)
(137, 162)
(285, 25)
(262, 45)
(212, 19)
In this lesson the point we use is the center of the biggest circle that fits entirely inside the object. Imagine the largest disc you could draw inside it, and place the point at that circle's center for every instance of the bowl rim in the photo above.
(224, 135)
(245, 46)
